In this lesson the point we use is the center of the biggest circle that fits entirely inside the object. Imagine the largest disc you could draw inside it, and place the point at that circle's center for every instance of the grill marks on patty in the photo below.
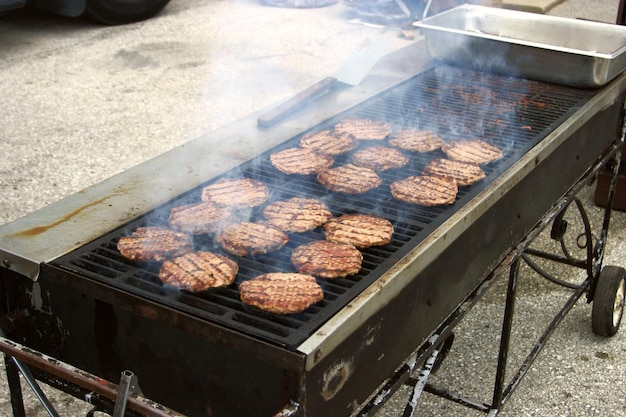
(247, 238)
(326, 259)
(360, 230)
(474, 150)
(301, 161)
(364, 129)
(379, 158)
(198, 271)
(416, 140)
(464, 173)
(281, 292)
(349, 179)
(154, 244)
(425, 190)
(329, 141)
(236, 193)
(198, 218)
(297, 214)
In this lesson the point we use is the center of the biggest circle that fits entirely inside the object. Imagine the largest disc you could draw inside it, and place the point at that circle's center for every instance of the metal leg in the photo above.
(15, 387)
(505, 338)
(30, 380)
(418, 388)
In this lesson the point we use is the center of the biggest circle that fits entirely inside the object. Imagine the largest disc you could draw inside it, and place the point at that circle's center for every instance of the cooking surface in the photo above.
(513, 114)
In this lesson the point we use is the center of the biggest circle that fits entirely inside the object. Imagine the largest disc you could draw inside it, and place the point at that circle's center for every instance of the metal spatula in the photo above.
(351, 73)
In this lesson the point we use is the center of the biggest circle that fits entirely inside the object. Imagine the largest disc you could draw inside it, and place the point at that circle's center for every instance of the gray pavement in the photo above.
(82, 102)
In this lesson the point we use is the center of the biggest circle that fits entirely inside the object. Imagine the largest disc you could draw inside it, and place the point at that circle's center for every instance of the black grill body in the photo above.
(208, 354)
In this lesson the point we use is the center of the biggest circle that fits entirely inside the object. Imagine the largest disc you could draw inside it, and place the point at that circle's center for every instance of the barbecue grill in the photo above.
(73, 305)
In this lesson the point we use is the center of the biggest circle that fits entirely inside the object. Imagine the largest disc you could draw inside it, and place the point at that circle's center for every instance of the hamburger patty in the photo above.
(247, 238)
(326, 259)
(281, 292)
(379, 158)
(236, 193)
(198, 218)
(360, 230)
(425, 190)
(198, 271)
(349, 179)
(416, 140)
(329, 142)
(154, 244)
(301, 161)
(464, 173)
(297, 214)
(475, 151)
(364, 129)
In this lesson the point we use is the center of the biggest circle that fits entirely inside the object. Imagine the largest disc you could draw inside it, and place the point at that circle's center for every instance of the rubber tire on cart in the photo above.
(117, 12)
(608, 301)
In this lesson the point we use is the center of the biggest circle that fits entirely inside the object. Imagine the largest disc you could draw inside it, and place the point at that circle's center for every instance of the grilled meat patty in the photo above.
(154, 244)
(464, 173)
(236, 193)
(297, 214)
(198, 271)
(247, 238)
(301, 161)
(360, 230)
(364, 129)
(205, 217)
(425, 190)
(326, 259)
(475, 151)
(349, 179)
(379, 158)
(281, 292)
(329, 141)
(416, 140)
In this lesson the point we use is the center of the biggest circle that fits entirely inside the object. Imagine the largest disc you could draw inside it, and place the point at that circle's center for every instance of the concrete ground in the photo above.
(82, 102)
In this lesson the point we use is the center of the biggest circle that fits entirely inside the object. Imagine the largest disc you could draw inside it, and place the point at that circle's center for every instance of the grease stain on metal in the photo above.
(335, 378)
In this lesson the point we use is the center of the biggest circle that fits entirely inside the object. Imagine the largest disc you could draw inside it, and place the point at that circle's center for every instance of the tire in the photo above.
(117, 12)
(608, 301)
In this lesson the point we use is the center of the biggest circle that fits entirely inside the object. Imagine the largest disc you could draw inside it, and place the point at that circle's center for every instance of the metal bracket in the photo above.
(128, 385)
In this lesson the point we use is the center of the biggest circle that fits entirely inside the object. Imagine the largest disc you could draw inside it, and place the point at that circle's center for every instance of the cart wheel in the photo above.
(608, 301)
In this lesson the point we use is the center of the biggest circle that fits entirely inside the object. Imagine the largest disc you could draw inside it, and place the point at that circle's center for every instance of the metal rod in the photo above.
(541, 342)
(81, 378)
(549, 276)
(505, 338)
(32, 383)
(15, 387)
(426, 9)
(418, 388)
(456, 397)
(122, 394)
(555, 258)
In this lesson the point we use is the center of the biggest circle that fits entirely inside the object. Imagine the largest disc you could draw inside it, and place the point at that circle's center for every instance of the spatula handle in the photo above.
(284, 109)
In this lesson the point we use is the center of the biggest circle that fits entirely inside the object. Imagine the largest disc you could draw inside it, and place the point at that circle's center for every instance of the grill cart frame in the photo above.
(329, 370)
(108, 397)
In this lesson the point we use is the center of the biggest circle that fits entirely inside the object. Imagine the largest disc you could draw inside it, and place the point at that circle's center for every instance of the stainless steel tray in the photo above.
(566, 51)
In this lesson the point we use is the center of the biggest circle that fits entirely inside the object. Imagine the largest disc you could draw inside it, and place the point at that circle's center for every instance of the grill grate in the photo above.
(457, 103)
